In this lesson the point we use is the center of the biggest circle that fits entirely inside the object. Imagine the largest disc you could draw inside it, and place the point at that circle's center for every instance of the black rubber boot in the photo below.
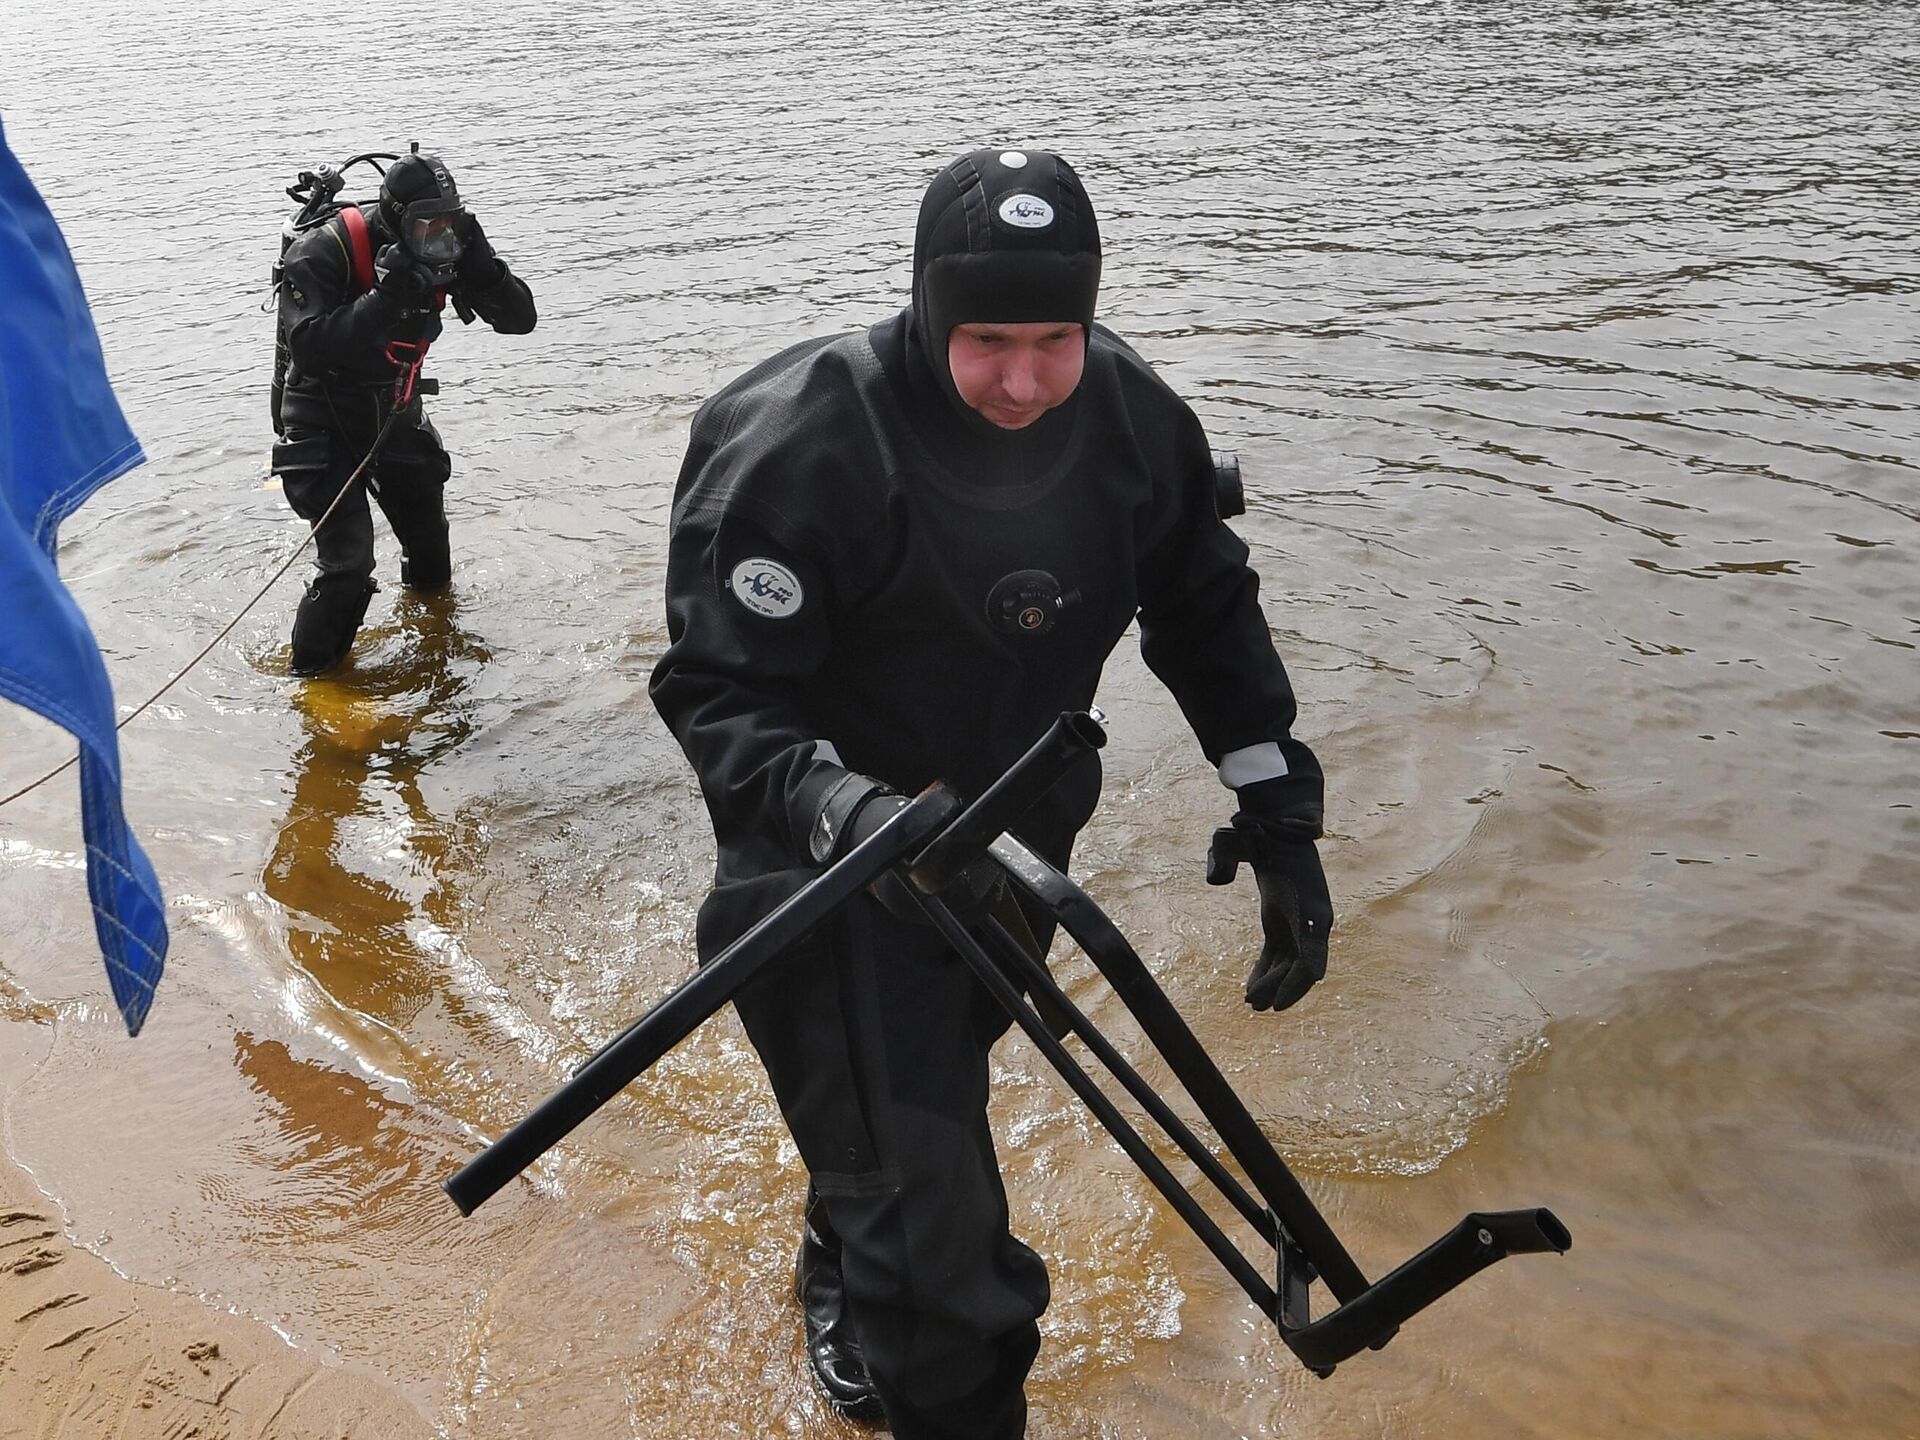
(833, 1350)
(329, 617)
(429, 568)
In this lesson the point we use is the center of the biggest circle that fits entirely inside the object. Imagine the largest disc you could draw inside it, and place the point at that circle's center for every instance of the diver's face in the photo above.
(1013, 374)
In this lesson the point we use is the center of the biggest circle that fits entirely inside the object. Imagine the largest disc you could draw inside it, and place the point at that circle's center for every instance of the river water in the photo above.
(1570, 351)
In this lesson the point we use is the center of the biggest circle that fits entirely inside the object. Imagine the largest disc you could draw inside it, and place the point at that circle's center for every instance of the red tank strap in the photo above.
(359, 247)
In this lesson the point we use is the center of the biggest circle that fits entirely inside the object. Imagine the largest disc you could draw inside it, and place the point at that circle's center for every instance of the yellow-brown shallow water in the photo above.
(1571, 357)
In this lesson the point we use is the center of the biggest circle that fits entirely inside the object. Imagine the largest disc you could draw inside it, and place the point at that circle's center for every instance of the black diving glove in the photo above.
(402, 280)
(856, 808)
(1296, 913)
(478, 267)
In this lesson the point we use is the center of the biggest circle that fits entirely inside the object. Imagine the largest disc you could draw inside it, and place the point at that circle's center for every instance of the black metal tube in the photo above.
(1170, 1035)
(710, 987)
(1470, 1247)
(1038, 979)
(1141, 1153)
(1008, 798)
(1369, 1315)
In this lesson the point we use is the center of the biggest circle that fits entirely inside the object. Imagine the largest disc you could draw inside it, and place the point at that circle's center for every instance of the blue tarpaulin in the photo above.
(62, 437)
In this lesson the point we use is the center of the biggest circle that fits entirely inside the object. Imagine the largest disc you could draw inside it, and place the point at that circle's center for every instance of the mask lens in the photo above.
(434, 237)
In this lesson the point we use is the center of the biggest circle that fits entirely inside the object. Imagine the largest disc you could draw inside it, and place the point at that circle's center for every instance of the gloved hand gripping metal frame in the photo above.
(929, 842)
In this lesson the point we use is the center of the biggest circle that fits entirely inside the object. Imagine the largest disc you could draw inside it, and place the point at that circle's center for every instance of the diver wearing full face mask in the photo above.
(361, 294)
(896, 557)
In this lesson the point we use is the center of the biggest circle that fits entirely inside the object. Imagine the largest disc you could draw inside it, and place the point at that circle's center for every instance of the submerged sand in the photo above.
(86, 1353)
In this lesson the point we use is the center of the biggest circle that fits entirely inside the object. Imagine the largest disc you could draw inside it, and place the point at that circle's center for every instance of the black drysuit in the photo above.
(829, 573)
(339, 390)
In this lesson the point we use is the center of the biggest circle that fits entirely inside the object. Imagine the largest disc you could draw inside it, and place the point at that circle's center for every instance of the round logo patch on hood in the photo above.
(1029, 212)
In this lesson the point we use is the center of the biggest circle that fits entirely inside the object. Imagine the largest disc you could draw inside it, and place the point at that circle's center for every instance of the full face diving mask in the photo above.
(432, 231)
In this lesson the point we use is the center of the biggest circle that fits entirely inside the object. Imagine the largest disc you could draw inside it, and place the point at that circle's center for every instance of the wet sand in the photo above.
(85, 1352)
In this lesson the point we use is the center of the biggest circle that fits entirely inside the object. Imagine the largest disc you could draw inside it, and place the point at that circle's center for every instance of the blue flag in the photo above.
(62, 437)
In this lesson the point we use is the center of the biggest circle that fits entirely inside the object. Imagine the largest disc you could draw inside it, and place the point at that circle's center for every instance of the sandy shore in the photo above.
(85, 1353)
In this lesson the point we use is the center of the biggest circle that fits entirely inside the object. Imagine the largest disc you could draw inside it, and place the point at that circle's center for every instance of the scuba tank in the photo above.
(318, 194)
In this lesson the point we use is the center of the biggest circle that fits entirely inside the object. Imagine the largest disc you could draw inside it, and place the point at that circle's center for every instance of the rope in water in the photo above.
(227, 629)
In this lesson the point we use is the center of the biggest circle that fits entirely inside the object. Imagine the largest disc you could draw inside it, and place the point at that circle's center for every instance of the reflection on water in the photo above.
(1568, 349)
(342, 1155)
(365, 868)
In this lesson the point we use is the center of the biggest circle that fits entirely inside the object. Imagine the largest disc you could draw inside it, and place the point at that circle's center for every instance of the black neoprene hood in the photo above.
(1005, 236)
(414, 178)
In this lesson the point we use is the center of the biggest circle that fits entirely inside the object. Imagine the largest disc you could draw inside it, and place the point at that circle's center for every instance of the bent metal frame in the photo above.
(929, 842)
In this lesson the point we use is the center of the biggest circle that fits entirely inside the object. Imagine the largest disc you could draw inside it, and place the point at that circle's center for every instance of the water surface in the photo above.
(1570, 356)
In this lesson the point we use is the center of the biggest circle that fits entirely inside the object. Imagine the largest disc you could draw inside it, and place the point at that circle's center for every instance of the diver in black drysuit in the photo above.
(339, 390)
(871, 587)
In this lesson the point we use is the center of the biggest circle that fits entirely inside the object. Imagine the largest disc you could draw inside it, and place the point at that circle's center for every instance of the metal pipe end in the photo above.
(454, 1189)
(1087, 727)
